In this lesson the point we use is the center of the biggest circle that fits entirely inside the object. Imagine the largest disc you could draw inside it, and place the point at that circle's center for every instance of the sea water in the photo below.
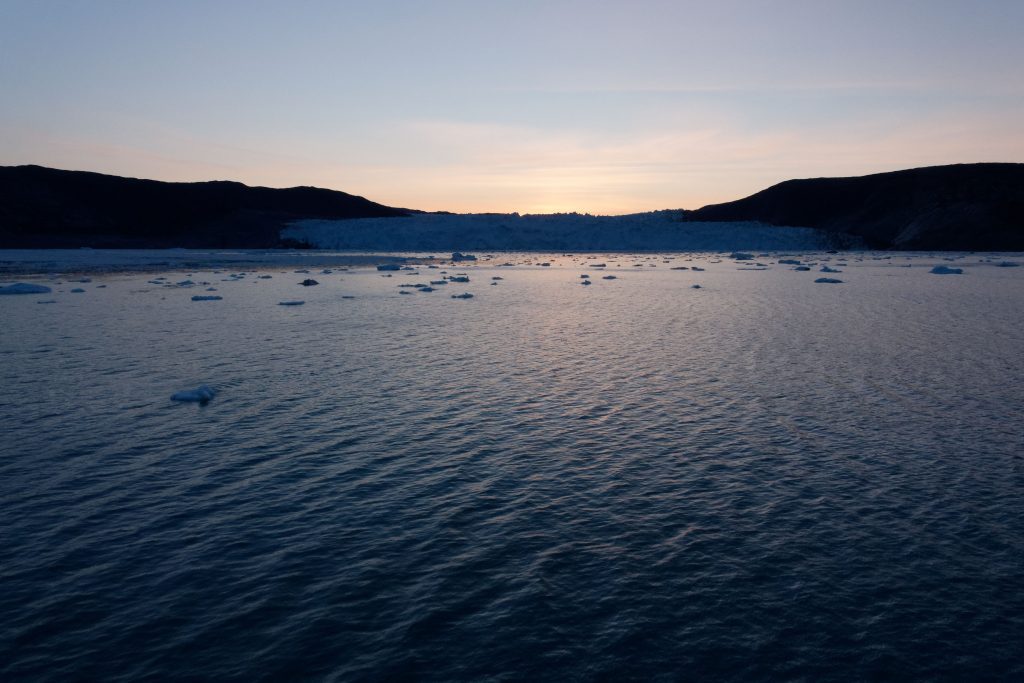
(764, 478)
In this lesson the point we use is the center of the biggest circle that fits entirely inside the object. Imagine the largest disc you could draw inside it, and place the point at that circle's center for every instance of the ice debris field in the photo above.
(192, 287)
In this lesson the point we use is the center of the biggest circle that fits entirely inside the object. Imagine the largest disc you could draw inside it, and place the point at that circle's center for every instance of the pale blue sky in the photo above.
(529, 106)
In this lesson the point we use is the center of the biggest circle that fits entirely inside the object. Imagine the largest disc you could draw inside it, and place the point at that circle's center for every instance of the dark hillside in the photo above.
(958, 207)
(43, 207)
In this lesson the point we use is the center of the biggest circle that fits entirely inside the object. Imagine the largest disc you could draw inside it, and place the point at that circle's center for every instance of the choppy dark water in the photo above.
(762, 479)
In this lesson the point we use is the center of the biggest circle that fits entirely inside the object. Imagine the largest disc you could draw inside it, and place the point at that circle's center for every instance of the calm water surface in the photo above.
(765, 478)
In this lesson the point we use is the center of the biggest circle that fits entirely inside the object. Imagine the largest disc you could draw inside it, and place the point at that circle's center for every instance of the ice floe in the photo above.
(946, 270)
(24, 288)
(201, 394)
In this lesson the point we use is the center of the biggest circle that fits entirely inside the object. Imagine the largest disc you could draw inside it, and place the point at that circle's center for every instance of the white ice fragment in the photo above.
(201, 394)
(24, 288)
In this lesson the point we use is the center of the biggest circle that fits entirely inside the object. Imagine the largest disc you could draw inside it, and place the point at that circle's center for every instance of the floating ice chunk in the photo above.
(425, 289)
(802, 268)
(586, 282)
(609, 277)
(585, 277)
(459, 256)
(679, 268)
(264, 277)
(211, 289)
(389, 266)
(202, 394)
(467, 295)
(946, 270)
(309, 283)
(78, 290)
(402, 292)
(185, 283)
(459, 278)
(741, 256)
(789, 261)
(47, 301)
(212, 297)
(1007, 264)
(697, 268)
(829, 281)
(497, 277)
(24, 288)
(826, 269)
(695, 287)
(294, 303)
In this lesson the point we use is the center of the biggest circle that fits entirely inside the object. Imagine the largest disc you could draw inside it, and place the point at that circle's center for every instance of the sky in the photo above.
(590, 106)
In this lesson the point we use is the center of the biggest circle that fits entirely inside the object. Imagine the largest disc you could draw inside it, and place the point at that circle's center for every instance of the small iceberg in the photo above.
(211, 297)
(290, 303)
(828, 281)
(24, 288)
(467, 295)
(202, 394)
(309, 283)
(946, 270)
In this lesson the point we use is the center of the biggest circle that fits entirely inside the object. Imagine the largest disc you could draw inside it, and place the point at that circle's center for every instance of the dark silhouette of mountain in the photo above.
(45, 207)
(958, 207)
(964, 207)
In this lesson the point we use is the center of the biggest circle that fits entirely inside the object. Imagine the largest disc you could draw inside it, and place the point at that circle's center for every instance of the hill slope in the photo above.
(957, 207)
(44, 207)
